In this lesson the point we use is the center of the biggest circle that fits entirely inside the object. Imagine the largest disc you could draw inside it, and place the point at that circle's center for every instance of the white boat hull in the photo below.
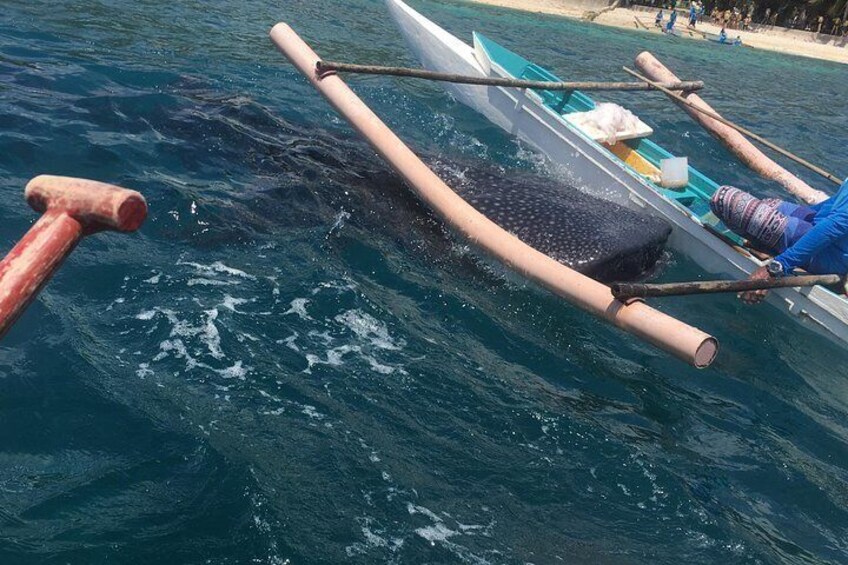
(592, 168)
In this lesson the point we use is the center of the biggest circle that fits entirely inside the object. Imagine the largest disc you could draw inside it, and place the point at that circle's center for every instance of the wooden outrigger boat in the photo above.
(728, 41)
(625, 172)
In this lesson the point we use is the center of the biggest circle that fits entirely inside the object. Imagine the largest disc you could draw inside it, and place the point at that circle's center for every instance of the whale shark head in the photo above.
(596, 237)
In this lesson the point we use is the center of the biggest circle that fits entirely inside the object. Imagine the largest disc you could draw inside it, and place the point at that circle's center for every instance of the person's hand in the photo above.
(755, 296)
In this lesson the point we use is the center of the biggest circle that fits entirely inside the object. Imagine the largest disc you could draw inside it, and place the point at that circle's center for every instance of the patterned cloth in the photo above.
(770, 224)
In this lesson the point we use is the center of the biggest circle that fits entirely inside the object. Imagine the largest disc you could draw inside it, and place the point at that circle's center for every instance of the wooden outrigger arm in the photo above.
(326, 67)
(628, 291)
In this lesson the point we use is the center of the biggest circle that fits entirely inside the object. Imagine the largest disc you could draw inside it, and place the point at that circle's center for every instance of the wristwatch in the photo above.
(775, 268)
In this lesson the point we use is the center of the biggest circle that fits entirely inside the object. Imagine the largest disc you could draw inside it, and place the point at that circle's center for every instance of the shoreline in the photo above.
(778, 40)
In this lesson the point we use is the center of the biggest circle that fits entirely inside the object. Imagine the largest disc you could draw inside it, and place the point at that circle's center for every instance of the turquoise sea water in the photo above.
(293, 362)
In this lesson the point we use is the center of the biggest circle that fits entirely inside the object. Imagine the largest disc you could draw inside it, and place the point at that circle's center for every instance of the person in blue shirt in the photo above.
(693, 15)
(671, 19)
(813, 238)
(722, 36)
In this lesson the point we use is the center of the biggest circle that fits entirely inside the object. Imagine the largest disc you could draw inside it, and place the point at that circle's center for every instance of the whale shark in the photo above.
(593, 236)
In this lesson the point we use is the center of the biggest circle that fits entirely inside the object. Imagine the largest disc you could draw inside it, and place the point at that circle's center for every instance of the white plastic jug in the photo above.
(675, 172)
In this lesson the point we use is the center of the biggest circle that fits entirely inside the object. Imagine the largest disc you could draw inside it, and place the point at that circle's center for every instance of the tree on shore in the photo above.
(792, 13)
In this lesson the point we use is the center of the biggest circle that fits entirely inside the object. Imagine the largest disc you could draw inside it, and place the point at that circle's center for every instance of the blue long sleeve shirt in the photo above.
(823, 249)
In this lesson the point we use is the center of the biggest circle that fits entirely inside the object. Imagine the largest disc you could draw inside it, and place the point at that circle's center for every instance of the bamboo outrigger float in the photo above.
(732, 136)
(667, 333)
(625, 171)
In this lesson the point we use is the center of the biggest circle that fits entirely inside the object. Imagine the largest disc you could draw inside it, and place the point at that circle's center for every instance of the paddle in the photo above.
(626, 291)
(640, 24)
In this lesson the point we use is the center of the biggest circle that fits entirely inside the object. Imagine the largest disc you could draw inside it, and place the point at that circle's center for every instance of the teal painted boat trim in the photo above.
(563, 102)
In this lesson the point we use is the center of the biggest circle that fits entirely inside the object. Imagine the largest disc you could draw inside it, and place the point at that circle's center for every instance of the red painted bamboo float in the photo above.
(72, 209)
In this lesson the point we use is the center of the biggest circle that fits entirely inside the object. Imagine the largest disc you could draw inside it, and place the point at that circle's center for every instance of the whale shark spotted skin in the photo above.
(596, 237)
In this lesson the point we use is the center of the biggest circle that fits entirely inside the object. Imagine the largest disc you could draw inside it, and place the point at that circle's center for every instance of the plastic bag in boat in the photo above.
(607, 122)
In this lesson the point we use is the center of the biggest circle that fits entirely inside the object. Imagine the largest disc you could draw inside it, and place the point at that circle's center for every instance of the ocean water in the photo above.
(293, 362)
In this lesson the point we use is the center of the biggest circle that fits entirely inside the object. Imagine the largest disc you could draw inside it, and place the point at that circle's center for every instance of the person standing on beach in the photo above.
(658, 20)
(669, 27)
(693, 14)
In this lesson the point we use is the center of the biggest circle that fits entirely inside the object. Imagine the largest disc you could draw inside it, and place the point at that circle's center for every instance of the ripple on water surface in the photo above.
(294, 362)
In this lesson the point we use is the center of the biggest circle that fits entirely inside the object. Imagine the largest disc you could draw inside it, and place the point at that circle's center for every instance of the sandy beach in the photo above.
(774, 39)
